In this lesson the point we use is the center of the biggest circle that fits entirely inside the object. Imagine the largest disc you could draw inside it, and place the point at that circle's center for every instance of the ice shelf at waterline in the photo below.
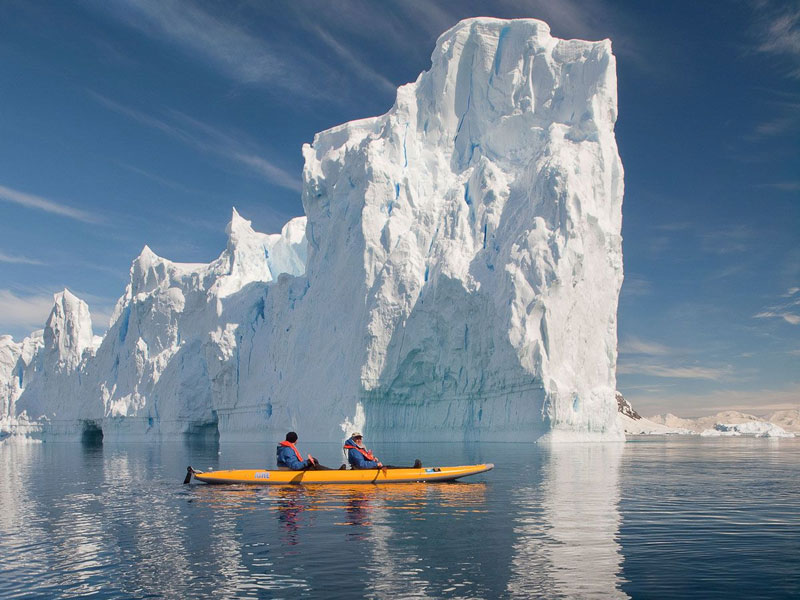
(455, 277)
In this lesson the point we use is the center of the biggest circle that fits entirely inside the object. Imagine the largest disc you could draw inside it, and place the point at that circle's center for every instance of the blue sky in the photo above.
(125, 123)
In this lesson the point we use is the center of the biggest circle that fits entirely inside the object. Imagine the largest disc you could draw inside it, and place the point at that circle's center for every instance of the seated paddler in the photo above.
(358, 456)
(289, 457)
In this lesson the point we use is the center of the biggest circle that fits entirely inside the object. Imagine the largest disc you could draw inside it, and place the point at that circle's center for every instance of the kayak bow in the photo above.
(275, 477)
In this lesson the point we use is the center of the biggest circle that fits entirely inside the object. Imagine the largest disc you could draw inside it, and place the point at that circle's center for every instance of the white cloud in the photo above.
(208, 139)
(229, 49)
(23, 313)
(169, 183)
(355, 65)
(758, 402)
(238, 149)
(100, 320)
(731, 240)
(18, 260)
(673, 372)
(634, 286)
(634, 345)
(790, 318)
(786, 310)
(28, 200)
(779, 32)
(782, 186)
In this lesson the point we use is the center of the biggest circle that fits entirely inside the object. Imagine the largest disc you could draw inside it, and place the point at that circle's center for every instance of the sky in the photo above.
(133, 122)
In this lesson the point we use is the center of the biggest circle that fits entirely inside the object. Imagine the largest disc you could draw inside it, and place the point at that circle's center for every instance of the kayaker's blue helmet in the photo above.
(291, 437)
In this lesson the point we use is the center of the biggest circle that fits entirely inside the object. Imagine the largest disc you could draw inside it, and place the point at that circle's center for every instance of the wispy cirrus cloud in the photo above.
(15, 259)
(35, 202)
(778, 32)
(164, 181)
(784, 121)
(753, 401)
(635, 286)
(673, 372)
(729, 240)
(207, 139)
(654, 359)
(635, 345)
(22, 313)
(789, 317)
(782, 186)
(788, 309)
(237, 149)
(353, 62)
(223, 45)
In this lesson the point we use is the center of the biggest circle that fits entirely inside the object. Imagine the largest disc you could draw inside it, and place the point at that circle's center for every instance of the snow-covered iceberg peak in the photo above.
(483, 213)
(148, 272)
(252, 256)
(67, 332)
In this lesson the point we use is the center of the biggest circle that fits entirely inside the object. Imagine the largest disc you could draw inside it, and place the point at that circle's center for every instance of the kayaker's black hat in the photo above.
(291, 437)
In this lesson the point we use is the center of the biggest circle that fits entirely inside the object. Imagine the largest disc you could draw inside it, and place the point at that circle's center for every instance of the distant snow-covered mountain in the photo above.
(782, 423)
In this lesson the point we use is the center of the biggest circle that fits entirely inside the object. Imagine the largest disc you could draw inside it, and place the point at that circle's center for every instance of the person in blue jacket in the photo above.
(358, 456)
(361, 458)
(289, 457)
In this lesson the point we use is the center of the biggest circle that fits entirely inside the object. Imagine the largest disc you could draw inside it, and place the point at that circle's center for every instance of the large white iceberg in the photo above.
(455, 277)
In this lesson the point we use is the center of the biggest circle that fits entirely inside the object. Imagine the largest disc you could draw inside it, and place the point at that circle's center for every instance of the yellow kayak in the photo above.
(270, 477)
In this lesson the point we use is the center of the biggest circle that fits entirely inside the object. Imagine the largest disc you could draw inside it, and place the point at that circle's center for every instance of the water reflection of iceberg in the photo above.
(395, 516)
(567, 529)
(144, 522)
(24, 539)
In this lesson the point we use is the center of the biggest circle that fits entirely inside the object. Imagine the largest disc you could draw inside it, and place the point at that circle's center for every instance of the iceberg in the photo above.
(754, 428)
(455, 277)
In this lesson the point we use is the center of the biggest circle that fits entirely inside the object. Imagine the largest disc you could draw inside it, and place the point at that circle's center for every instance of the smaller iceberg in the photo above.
(752, 428)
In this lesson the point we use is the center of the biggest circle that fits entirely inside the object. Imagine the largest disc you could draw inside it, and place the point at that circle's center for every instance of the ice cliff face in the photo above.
(456, 278)
(484, 212)
(171, 350)
(46, 365)
(14, 360)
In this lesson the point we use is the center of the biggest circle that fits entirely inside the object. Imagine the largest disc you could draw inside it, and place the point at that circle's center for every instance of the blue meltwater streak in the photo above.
(680, 517)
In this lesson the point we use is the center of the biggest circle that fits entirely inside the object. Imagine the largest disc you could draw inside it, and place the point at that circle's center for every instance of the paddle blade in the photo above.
(189, 471)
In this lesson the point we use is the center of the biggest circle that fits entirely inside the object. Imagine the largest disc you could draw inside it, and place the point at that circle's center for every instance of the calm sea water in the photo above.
(652, 518)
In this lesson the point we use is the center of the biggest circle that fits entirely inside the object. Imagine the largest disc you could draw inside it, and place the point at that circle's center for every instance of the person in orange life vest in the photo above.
(361, 458)
(358, 456)
(289, 457)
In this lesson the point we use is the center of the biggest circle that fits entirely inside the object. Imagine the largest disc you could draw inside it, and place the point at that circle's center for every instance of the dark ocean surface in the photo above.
(681, 517)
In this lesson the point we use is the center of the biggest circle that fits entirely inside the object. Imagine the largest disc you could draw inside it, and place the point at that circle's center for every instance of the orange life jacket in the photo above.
(367, 454)
(286, 444)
